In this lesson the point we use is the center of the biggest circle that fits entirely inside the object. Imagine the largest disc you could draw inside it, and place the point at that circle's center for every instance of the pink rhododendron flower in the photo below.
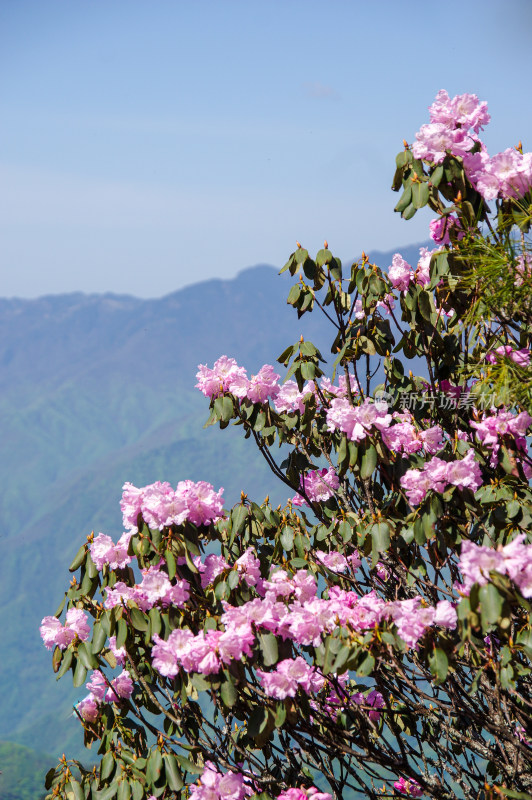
(442, 227)
(422, 273)
(304, 794)
(214, 565)
(161, 506)
(53, 633)
(409, 787)
(97, 685)
(400, 273)
(356, 422)
(319, 485)
(88, 709)
(221, 378)
(374, 699)
(289, 398)
(464, 109)
(262, 386)
(214, 785)
(118, 652)
(121, 688)
(104, 551)
(514, 560)
(445, 615)
(334, 561)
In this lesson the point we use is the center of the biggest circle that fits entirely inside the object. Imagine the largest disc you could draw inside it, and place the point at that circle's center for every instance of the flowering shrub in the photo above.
(372, 636)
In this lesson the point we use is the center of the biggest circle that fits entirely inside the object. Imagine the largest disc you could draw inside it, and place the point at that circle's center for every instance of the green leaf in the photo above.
(107, 765)
(121, 633)
(80, 673)
(380, 540)
(512, 793)
(420, 194)
(368, 461)
(437, 175)
(188, 765)
(138, 620)
(79, 558)
(293, 294)
(66, 662)
(239, 517)
(86, 656)
(106, 794)
(287, 538)
(423, 301)
(323, 257)
(490, 604)
(137, 790)
(99, 637)
(154, 766)
(404, 200)
(268, 648)
(309, 268)
(228, 690)
(76, 789)
(409, 211)
(367, 665)
(258, 722)
(171, 564)
(124, 790)
(298, 563)
(173, 776)
(439, 665)
(300, 255)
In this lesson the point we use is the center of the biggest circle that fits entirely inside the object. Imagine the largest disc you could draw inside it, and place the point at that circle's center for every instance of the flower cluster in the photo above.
(519, 357)
(438, 474)
(357, 421)
(289, 608)
(409, 787)
(104, 551)
(288, 676)
(514, 560)
(154, 588)
(54, 634)
(453, 128)
(404, 437)
(227, 376)
(502, 423)
(318, 485)
(100, 691)
(162, 506)
(214, 785)
(304, 794)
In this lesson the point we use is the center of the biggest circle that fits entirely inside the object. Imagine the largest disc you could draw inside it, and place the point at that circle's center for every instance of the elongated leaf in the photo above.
(368, 462)
(268, 648)
(439, 665)
(107, 765)
(228, 690)
(490, 604)
(174, 778)
(80, 673)
(154, 766)
(189, 765)
(124, 790)
(79, 558)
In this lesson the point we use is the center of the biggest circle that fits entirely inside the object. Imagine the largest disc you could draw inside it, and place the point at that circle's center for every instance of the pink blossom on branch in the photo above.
(53, 633)
(409, 787)
(319, 486)
(400, 273)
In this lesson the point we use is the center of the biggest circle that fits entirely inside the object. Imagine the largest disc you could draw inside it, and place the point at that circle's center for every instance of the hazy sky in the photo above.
(150, 144)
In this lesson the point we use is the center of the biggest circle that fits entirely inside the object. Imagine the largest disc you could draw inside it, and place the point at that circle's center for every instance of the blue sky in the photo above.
(146, 145)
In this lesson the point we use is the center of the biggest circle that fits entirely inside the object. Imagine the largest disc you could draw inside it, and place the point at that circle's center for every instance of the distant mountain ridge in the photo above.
(97, 390)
